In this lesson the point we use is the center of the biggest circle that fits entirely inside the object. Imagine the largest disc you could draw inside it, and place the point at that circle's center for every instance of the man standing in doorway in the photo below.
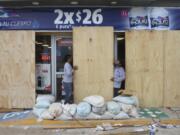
(119, 76)
(68, 77)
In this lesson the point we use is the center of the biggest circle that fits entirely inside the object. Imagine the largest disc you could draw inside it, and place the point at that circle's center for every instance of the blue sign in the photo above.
(67, 18)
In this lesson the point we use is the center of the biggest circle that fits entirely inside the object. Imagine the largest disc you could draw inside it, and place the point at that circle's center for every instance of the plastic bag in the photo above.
(55, 109)
(121, 115)
(113, 107)
(99, 110)
(83, 109)
(95, 100)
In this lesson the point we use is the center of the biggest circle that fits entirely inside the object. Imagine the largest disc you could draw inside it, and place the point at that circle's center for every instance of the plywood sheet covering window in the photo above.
(93, 54)
(144, 66)
(17, 69)
(172, 68)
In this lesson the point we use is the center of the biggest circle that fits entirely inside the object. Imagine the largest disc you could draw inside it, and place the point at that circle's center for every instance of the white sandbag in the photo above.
(63, 116)
(38, 111)
(126, 108)
(55, 109)
(99, 110)
(69, 109)
(83, 109)
(107, 115)
(49, 98)
(93, 116)
(80, 117)
(132, 100)
(134, 112)
(42, 104)
(113, 107)
(46, 115)
(121, 115)
(95, 100)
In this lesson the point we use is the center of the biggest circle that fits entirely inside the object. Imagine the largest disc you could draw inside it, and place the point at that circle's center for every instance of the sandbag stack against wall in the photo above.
(92, 107)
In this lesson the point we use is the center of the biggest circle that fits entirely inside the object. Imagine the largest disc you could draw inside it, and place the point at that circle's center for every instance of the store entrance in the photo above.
(51, 49)
(119, 51)
(62, 48)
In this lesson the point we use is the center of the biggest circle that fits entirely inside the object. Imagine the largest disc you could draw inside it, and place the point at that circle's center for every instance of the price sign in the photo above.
(84, 16)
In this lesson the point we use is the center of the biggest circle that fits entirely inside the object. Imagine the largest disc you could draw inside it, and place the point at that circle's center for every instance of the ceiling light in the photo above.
(35, 3)
(46, 45)
(113, 2)
(120, 38)
(74, 2)
(38, 43)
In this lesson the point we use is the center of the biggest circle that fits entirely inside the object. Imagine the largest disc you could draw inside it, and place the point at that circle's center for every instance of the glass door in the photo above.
(62, 47)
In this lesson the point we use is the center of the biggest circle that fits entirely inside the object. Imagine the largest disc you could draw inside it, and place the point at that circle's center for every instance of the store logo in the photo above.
(160, 22)
(139, 21)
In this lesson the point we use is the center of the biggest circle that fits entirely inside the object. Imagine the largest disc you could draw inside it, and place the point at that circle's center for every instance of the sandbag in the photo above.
(95, 100)
(49, 98)
(113, 107)
(69, 109)
(99, 110)
(38, 111)
(93, 116)
(83, 109)
(42, 104)
(63, 116)
(55, 109)
(121, 115)
(132, 100)
(126, 108)
(46, 115)
(107, 115)
(134, 112)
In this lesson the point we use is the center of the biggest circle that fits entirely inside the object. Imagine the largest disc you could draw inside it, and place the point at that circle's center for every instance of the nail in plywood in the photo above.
(17, 70)
(172, 69)
(93, 54)
(144, 66)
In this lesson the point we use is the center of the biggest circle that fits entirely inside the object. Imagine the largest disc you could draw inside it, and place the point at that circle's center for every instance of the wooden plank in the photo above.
(77, 123)
(17, 70)
(172, 69)
(93, 54)
(144, 66)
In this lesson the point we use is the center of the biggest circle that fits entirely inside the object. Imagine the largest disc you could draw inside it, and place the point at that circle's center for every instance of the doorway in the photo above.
(51, 49)
(119, 51)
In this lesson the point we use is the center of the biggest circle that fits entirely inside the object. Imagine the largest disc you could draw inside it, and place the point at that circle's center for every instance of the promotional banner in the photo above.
(156, 18)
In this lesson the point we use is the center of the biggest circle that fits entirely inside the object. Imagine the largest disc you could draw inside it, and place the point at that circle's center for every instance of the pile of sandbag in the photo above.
(92, 107)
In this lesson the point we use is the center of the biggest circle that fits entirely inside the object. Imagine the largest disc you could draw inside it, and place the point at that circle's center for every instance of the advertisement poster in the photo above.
(61, 18)
(43, 78)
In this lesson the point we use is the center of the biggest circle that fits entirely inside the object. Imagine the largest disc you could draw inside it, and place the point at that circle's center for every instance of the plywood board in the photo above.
(17, 70)
(144, 66)
(172, 68)
(93, 54)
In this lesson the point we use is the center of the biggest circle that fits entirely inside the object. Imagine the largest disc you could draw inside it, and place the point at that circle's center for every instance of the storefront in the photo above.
(34, 42)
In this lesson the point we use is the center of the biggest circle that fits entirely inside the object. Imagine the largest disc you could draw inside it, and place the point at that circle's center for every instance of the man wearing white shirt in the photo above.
(68, 78)
(119, 76)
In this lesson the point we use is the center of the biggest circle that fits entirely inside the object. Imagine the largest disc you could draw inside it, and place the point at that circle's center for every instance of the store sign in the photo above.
(157, 18)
